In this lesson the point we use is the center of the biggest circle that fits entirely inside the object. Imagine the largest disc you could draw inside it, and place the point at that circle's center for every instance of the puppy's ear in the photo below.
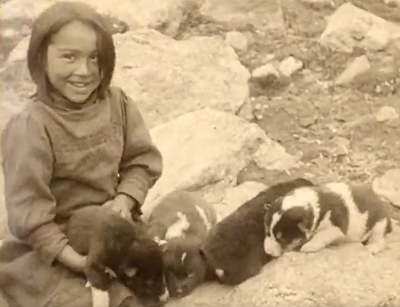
(305, 223)
(267, 206)
(303, 226)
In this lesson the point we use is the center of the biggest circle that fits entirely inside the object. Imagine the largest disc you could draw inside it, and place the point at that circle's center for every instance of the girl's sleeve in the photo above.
(141, 165)
(28, 167)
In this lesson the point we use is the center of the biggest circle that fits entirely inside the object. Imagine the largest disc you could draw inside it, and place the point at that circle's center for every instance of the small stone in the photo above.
(237, 40)
(386, 113)
(269, 57)
(258, 106)
(359, 66)
(290, 65)
(342, 145)
(259, 116)
(265, 71)
(392, 3)
(307, 122)
(246, 110)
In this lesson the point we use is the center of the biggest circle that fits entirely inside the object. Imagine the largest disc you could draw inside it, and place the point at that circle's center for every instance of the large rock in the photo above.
(351, 27)
(10, 104)
(165, 15)
(169, 78)
(259, 13)
(17, 16)
(237, 196)
(388, 186)
(207, 149)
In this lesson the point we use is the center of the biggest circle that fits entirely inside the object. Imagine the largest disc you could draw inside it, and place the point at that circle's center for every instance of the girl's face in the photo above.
(72, 64)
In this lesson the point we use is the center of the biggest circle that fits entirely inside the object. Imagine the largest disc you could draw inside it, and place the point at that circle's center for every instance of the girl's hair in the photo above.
(50, 22)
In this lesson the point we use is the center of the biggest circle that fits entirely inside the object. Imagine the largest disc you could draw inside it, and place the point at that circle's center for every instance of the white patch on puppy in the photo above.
(179, 228)
(204, 217)
(99, 298)
(220, 273)
(271, 247)
(184, 254)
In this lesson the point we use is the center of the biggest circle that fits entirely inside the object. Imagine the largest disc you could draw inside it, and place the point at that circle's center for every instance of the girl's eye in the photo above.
(69, 57)
(94, 57)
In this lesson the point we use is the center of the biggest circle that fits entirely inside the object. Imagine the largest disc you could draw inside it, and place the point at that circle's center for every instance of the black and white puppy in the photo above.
(180, 223)
(312, 218)
(233, 251)
(118, 248)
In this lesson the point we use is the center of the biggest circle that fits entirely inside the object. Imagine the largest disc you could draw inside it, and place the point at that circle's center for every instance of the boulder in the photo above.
(350, 26)
(169, 78)
(205, 150)
(17, 16)
(239, 13)
(237, 196)
(388, 186)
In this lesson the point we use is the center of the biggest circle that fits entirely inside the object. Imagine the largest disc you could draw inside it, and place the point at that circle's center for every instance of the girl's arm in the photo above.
(28, 168)
(141, 165)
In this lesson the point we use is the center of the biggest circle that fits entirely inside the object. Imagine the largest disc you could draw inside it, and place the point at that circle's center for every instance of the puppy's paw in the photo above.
(271, 247)
(312, 247)
(375, 248)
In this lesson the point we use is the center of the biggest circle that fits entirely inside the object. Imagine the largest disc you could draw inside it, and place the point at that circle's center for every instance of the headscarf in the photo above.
(50, 22)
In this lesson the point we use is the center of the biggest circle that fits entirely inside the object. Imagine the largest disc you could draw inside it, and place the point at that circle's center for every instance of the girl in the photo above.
(79, 142)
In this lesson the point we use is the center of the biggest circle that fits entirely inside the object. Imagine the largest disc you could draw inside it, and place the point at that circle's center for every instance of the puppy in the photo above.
(180, 223)
(117, 247)
(311, 218)
(233, 251)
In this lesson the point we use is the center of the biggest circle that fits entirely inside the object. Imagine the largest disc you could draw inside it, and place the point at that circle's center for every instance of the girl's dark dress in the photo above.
(57, 159)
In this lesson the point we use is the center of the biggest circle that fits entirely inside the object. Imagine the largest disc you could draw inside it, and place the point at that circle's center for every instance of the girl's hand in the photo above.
(70, 258)
(122, 204)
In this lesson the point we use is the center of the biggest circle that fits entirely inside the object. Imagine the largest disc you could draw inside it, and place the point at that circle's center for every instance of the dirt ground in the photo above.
(332, 129)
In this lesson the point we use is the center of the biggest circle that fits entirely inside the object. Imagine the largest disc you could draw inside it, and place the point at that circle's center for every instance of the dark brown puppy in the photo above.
(115, 244)
(234, 248)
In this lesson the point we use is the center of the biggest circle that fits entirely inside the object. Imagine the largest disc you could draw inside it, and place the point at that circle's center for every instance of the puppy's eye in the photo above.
(279, 235)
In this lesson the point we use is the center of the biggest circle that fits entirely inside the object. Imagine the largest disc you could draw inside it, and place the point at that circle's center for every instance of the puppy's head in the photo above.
(143, 272)
(183, 265)
(288, 221)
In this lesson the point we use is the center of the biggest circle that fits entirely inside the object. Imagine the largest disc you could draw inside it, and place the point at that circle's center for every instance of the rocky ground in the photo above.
(322, 86)
(342, 125)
